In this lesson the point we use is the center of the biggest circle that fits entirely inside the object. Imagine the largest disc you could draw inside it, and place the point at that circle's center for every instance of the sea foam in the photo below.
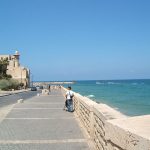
(90, 96)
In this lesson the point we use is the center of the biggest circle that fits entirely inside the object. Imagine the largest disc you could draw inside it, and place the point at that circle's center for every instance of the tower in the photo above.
(16, 59)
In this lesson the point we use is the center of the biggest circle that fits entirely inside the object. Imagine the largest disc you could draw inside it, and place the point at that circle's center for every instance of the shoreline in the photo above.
(114, 108)
(106, 107)
(108, 111)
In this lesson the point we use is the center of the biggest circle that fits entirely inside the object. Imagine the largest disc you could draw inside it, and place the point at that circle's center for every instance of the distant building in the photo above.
(14, 69)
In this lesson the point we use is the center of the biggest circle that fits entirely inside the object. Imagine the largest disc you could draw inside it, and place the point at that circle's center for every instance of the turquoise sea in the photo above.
(131, 97)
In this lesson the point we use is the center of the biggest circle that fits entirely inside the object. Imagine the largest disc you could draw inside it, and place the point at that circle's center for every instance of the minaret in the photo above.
(16, 57)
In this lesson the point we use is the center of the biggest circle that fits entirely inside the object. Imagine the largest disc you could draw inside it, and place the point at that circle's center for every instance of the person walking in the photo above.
(69, 99)
(49, 88)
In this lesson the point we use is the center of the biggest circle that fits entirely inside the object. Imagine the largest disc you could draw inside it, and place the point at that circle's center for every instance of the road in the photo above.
(11, 99)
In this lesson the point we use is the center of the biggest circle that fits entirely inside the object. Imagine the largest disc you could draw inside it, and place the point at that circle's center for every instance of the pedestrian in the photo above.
(65, 106)
(69, 99)
(49, 88)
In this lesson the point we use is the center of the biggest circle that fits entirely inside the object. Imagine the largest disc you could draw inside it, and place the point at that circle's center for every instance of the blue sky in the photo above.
(78, 39)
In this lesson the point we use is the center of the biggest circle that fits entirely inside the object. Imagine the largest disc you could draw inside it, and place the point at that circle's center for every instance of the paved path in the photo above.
(41, 124)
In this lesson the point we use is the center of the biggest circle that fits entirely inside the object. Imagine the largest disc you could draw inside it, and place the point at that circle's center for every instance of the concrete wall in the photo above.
(109, 129)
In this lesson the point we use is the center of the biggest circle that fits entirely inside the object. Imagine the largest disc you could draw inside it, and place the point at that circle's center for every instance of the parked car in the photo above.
(33, 89)
(37, 87)
(41, 87)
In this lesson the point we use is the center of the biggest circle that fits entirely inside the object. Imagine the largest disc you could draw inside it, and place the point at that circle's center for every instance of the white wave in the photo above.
(90, 96)
(107, 82)
(134, 83)
(99, 83)
(111, 83)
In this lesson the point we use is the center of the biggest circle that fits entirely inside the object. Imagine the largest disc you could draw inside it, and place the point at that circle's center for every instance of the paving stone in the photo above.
(47, 99)
(41, 118)
(36, 105)
(39, 129)
(39, 113)
(58, 146)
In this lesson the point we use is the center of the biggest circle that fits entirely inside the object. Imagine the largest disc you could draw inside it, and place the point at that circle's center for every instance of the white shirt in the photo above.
(69, 94)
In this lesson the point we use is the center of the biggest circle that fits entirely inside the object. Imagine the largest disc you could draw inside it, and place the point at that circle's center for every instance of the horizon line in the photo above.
(88, 80)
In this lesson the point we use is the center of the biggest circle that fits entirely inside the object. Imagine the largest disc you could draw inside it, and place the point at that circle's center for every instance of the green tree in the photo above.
(3, 69)
(6, 81)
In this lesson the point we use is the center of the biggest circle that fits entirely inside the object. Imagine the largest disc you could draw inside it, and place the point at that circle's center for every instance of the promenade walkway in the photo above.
(41, 124)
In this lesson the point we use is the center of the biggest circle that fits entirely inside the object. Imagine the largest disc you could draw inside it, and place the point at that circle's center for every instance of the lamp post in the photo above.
(31, 79)
(22, 68)
(21, 76)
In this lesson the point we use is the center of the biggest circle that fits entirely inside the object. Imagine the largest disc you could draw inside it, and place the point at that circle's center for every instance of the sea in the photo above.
(130, 97)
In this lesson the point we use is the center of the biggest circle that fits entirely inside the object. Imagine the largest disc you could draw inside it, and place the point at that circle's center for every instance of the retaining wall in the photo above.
(109, 129)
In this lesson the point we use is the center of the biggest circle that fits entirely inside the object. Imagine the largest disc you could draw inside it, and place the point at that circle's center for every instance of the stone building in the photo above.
(14, 69)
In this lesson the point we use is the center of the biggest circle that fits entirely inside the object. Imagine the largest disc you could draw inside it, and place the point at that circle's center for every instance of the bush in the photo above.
(9, 84)
(4, 84)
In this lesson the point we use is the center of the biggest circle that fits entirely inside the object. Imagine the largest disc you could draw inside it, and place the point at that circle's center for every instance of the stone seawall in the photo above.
(109, 129)
(51, 83)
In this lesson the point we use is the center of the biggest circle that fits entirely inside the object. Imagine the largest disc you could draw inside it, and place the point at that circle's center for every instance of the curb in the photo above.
(13, 93)
(5, 95)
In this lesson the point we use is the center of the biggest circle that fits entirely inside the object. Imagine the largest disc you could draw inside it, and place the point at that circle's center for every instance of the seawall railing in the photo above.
(109, 129)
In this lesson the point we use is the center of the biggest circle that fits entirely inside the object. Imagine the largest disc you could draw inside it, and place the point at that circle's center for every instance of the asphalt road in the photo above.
(11, 99)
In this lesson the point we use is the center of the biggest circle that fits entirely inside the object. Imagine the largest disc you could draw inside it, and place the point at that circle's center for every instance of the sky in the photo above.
(78, 39)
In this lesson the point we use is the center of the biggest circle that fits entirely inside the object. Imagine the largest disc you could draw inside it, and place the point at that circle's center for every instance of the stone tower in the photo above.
(16, 59)
(18, 72)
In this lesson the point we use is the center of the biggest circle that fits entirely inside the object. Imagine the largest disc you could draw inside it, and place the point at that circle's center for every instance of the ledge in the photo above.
(139, 125)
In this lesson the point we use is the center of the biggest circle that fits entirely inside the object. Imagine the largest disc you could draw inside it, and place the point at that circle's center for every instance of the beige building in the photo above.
(17, 72)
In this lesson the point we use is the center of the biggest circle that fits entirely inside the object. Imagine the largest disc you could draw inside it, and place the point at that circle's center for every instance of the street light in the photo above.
(22, 68)
(31, 78)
